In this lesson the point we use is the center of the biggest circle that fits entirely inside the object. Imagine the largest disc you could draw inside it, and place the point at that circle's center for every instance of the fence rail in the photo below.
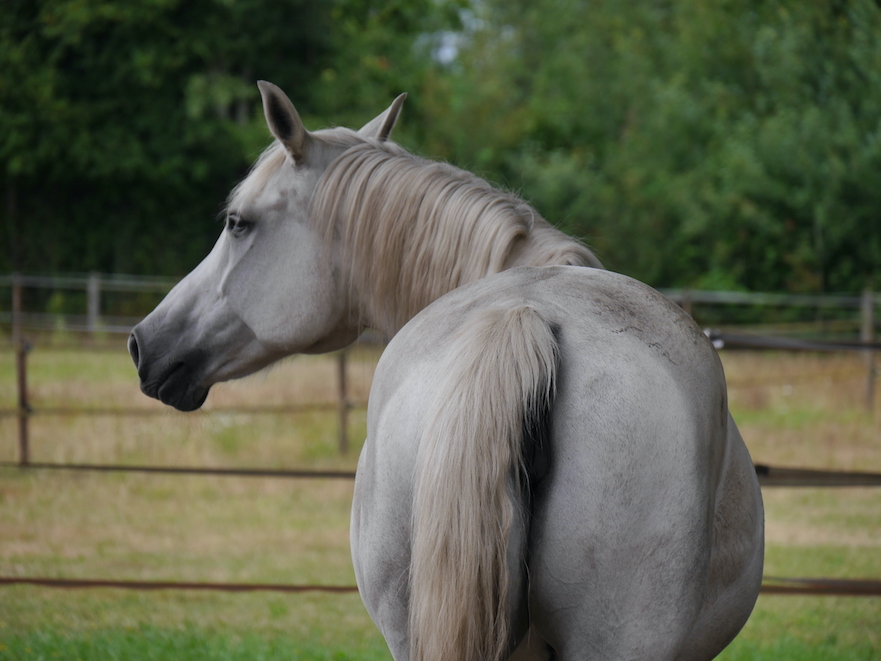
(685, 297)
(106, 282)
(95, 285)
(79, 583)
(187, 470)
(24, 411)
(769, 476)
(836, 587)
(722, 340)
(93, 320)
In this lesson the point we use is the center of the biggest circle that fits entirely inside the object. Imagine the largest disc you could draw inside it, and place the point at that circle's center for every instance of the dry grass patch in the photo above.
(805, 410)
(166, 527)
(222, 433)
(793, 410)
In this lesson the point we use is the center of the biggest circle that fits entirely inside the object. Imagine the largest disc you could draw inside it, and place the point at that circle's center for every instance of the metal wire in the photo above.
(769, 476)
(187, 470)
(78, 583)
(770, 586)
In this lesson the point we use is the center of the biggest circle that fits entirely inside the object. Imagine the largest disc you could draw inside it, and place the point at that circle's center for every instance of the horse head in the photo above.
(270, 287)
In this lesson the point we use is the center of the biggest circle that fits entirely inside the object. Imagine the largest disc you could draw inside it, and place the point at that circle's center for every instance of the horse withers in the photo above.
(550, 467)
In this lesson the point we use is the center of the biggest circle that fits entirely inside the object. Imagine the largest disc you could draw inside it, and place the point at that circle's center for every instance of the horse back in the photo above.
(621, 519)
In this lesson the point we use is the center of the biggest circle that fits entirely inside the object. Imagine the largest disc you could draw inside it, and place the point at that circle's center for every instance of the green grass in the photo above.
(330, 627)
(147, 643)
(152, 527)
(786, 628)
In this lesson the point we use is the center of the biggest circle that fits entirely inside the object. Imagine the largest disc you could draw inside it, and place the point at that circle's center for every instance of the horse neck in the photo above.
(412, 230)
(426, 277)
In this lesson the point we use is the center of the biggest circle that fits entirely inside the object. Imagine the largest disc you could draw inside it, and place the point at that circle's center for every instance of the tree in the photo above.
(692, 143)
(124, 124)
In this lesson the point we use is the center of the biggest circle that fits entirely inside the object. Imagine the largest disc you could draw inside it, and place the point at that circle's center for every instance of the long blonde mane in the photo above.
(412, 230)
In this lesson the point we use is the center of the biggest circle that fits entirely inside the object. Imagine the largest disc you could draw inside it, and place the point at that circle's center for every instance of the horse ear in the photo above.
(380, 127)
(283, 120)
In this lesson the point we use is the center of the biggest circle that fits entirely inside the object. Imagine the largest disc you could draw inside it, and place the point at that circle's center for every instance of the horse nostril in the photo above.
(133, 350)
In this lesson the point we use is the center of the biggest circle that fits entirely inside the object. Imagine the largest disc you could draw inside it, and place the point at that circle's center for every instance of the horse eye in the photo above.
(237, 226)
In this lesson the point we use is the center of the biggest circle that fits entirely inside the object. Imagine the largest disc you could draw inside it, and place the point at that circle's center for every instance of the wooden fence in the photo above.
(864, 306)
(860, 311)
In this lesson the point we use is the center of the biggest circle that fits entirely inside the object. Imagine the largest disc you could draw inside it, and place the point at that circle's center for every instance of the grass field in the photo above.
(793, 410)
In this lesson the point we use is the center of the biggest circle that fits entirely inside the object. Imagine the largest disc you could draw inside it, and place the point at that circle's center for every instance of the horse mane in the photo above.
(412, 230)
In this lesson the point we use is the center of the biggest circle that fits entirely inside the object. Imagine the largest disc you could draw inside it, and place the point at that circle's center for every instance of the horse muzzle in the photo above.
(168, 378)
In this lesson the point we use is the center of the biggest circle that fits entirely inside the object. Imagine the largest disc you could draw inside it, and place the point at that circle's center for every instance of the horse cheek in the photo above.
(288, 300)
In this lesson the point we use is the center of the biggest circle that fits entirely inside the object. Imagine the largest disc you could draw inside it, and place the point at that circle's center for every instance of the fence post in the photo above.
(344, 404)
(867, 335)
(16, 309)
(21, 350)
(686, 303)
(93, 296)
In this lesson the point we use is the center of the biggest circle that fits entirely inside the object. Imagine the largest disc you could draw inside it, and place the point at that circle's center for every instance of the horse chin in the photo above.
(177, 389)
(189, 400)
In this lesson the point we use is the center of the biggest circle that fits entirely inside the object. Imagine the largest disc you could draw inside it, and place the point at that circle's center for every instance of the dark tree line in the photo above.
(700, 143)
(123, 124)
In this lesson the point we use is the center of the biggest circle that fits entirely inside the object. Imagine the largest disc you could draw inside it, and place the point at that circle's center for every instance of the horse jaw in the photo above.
(232, 316)
(191, 341)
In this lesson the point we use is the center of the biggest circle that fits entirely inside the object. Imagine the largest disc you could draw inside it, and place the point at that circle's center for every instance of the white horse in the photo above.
(550, 467)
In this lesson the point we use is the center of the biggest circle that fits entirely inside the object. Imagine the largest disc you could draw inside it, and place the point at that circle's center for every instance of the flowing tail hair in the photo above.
(500, 379)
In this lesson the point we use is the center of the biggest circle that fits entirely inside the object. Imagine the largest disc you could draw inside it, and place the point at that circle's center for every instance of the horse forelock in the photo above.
(269, 162)
(411, 229)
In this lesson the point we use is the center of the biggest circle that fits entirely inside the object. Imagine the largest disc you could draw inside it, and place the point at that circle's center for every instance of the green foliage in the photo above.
(124, 124)
(693, 143)
(731, 145)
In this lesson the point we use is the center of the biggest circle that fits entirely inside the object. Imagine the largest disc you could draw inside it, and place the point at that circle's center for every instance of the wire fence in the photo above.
(25, 410)
(94, 322)
(770, 585)
(770, 476)
(113, 303)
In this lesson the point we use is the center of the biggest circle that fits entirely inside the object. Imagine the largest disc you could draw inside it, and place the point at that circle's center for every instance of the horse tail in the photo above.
(470, 474)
